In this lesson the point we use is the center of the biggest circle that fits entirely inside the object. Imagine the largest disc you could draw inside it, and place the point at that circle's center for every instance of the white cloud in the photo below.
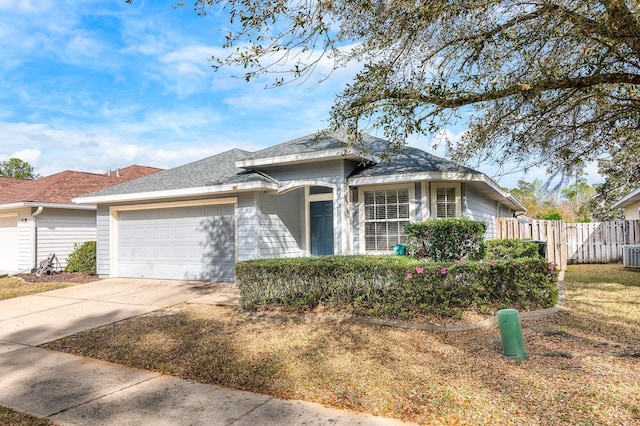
(31, 156)
(26, 6)
(83, 45)
(183, 71)
(51, 150)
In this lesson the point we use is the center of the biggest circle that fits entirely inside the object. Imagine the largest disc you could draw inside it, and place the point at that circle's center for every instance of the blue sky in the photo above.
(94, 85)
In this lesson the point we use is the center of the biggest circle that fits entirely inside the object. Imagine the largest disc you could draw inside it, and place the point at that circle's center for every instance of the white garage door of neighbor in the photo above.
(193, 243)
(8, 243)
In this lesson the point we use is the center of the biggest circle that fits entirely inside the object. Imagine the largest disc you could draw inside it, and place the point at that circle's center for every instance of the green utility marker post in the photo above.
(511, 334)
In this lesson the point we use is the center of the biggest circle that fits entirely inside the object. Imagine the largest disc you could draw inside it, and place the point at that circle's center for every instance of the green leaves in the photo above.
(551, 84)
(83, 258)
(510, 248)
(446, 239)
(17, 168)
(395, 286)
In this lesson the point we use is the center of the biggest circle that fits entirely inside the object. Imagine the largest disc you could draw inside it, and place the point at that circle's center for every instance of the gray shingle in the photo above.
(411, 160)
(321, 141)
(220, 169)
(215, 170)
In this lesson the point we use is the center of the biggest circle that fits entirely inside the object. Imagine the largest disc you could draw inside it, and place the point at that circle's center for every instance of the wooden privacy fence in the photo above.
(596, 242)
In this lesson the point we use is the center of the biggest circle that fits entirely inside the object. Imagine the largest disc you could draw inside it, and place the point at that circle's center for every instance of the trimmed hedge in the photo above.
(395, 286)
(82, 259)
(510, 248)
(446, 239)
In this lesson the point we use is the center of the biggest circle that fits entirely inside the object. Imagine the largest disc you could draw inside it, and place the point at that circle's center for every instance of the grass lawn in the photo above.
(11, 417)
(12, 287)
(584, 365)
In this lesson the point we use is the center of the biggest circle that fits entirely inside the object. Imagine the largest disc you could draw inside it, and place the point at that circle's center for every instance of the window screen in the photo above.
(385, 214)
(445, 203)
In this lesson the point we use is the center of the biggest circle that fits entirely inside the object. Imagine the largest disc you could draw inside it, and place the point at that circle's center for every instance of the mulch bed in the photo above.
(66, 277)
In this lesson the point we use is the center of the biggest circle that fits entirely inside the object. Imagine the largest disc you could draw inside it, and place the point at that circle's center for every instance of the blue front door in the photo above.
(321, 227)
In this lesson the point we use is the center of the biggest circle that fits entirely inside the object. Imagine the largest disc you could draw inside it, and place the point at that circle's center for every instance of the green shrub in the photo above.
(83, 258)
(396, 286)
(549, 214)
(446, 239)
(510, 248)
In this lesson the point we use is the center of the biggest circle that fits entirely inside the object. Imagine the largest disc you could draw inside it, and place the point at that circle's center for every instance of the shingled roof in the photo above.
(239, 170)
(216, 170)
(238, 166)
(61, 188)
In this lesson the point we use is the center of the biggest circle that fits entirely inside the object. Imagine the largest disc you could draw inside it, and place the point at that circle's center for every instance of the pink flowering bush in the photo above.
(396, 286)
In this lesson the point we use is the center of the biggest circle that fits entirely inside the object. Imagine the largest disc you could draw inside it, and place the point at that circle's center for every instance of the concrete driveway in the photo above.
(40, 318)
(72, 390)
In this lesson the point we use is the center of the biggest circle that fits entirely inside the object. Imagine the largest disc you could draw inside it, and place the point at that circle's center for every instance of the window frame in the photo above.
(434, 198)
(361, 213)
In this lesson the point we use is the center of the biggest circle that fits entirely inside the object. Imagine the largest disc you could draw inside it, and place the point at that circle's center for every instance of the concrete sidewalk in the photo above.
(72, 390)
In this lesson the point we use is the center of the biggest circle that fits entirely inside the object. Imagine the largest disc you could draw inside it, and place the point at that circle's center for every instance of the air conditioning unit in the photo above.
(631, 257)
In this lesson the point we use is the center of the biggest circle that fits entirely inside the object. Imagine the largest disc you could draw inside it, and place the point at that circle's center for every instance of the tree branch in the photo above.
(452, 101)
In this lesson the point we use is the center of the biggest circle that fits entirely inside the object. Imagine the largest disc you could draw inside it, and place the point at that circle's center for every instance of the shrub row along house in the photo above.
(37, 217)
(308, 196)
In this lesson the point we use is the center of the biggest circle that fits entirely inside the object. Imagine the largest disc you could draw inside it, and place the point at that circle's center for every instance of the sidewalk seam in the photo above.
(64, 410)
(251, 411)
(43, 310)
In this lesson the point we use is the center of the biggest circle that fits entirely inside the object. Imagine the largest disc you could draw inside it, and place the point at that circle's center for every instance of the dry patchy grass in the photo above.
(13, 287)
(584, 365)
(11, 417)
(613, 273)
(26, 284)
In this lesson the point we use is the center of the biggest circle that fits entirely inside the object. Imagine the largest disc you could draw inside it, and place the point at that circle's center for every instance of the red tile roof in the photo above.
(64, 186)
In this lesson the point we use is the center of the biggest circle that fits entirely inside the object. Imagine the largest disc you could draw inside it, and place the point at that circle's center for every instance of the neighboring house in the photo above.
(631, 205)
(37, 216)
(305, 197)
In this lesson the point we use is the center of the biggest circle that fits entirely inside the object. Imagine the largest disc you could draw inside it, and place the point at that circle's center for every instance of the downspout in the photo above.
(34, 237)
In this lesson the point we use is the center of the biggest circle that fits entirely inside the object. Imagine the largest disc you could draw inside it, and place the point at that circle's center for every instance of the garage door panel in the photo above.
(177, 243)
(8, 243)
(219, 237)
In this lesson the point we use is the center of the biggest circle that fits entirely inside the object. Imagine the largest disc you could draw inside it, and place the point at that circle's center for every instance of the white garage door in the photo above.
(193, 243)
(8, 243)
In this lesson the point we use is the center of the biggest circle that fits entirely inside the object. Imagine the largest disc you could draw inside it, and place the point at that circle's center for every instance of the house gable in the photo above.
(319, 147)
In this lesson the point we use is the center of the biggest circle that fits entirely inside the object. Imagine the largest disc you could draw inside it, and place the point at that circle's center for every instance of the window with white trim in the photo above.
(445, 201)
(386, 211)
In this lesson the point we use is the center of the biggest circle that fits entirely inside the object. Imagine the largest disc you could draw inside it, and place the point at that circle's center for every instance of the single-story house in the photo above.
(37, 216)
(308, 196)
(631, 205)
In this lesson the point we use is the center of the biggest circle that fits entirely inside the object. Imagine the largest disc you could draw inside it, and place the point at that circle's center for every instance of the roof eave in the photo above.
(519, 207)
(22, 204)
(413, 177)
(627, 200)
(440, 176)
(177, 193)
